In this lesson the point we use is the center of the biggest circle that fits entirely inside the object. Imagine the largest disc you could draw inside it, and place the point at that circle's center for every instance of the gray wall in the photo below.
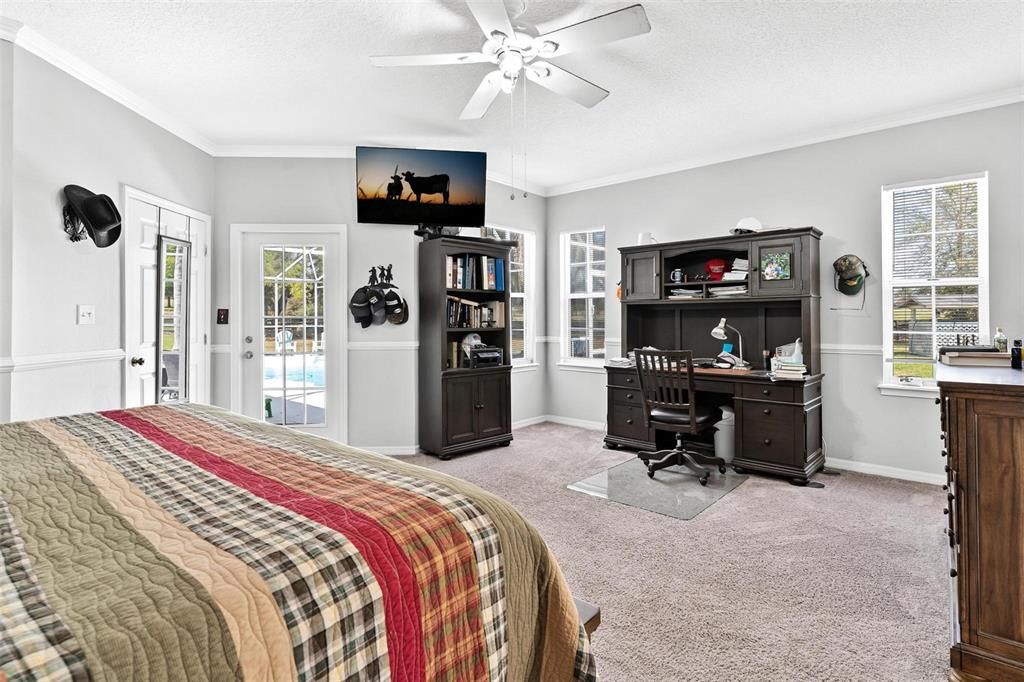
(382, 362)
(68, 133)
(834, 186)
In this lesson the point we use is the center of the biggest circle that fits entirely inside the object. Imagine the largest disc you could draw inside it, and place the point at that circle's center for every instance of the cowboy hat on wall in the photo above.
(89, 213)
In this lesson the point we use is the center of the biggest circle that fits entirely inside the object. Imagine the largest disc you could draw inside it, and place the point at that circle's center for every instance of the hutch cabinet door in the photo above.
(775, 267)
(460, 413)
(642, 276)
(492, 406)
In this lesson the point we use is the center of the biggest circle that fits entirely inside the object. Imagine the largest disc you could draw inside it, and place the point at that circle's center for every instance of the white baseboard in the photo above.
(578, 423)
(392, 450)
(522, 423)
(887, 471)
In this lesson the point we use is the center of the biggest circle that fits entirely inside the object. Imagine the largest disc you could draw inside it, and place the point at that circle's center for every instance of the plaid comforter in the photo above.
(189, 543)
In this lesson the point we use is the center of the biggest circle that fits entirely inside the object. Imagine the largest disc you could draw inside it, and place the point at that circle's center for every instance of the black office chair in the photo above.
(670, 404)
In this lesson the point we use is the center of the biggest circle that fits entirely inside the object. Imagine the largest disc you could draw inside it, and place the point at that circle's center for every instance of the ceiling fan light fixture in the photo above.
(508, 82)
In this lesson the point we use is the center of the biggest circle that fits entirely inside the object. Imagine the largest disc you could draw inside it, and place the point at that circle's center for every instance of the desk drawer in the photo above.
(627, 421)
(630, 396)
(770, 432)
(783, 392)
(624, 378)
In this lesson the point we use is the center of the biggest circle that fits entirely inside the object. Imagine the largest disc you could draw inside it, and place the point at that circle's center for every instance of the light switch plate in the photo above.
(86, 314)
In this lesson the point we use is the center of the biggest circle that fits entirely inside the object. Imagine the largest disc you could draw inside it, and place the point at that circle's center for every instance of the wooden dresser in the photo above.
(982, 416)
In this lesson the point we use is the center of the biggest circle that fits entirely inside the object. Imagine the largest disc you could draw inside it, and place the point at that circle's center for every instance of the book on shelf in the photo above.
(734, 276)
(464, 313)
(684, 294)
(470, 271)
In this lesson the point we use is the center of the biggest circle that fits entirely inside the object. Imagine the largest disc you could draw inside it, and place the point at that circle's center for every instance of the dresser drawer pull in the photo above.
(944, 453)
(629, 396)
(629, 421)
(945, 486)
(767, 410)
(767, 441)
(952, 573)
(946, 510)
(766, 392)
(629, 380)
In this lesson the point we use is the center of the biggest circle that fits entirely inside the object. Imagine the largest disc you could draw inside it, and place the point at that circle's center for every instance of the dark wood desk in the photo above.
(778, 424)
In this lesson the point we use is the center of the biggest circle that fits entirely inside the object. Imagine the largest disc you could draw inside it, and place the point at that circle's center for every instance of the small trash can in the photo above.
(725, 436)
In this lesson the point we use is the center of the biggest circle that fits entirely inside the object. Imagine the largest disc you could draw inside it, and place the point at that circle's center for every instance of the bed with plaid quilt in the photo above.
(189, 543)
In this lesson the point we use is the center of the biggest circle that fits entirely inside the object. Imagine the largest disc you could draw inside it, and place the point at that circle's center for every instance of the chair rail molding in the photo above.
(29, 363)
(383, 345)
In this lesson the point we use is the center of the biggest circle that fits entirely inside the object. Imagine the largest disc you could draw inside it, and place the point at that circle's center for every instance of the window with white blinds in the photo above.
(583, 284)
(935, 273)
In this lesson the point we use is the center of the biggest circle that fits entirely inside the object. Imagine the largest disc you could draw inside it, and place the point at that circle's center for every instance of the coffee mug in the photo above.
(676, 275)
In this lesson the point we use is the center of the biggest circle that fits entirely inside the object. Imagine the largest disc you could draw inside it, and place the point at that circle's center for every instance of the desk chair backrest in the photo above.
(666, 381)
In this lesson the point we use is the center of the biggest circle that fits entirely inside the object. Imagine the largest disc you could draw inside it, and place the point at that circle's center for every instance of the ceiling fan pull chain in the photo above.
(524, 140)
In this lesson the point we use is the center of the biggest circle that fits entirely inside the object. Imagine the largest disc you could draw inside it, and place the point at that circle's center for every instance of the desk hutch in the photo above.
(778, 424)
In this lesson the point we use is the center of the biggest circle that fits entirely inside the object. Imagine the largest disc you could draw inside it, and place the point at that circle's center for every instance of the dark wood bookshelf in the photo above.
(461, 408)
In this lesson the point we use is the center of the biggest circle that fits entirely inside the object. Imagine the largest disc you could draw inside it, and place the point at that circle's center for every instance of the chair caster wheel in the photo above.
(721, 469)
(739, 470)
(704, 479)
(650, 473)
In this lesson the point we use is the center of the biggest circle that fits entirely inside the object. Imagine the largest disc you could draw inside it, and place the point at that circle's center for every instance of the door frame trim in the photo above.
(201, 317)
(237, 232)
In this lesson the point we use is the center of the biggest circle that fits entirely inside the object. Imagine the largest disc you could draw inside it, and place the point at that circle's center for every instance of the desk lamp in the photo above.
(720, 334)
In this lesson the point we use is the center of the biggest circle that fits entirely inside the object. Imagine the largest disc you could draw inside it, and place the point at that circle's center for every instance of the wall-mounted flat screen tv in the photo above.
(420, 186)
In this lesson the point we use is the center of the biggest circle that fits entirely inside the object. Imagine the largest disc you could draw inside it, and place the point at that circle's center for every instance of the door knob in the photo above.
(247, 355)
(138, 362)
(248, 339)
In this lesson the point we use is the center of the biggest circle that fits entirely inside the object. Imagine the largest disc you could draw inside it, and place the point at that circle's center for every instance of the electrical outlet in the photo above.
(86, 314)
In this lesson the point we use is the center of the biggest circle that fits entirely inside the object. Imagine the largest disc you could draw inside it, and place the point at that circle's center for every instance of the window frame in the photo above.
(565, 296)
(927, 387)
(528, 295)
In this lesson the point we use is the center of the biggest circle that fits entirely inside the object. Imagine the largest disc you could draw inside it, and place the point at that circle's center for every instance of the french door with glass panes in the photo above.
(290, 368)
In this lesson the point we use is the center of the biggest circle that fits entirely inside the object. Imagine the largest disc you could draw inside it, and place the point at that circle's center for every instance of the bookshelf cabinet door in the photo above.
(776, 267)
(493, 418)
(643, 276)
(460, 413)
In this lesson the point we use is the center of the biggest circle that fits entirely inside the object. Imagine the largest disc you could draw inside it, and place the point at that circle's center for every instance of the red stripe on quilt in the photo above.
(385, 558)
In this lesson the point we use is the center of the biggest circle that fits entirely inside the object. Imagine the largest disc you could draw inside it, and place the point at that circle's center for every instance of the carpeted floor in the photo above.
(772, 582)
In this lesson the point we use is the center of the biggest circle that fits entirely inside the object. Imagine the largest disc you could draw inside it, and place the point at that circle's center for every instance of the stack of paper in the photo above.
(739, 290)
(682, 294)
(791, 371)
(740, 267)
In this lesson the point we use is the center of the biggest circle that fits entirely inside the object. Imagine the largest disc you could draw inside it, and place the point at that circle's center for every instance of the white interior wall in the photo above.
(65, 132)
(382, 360)
(834, 186)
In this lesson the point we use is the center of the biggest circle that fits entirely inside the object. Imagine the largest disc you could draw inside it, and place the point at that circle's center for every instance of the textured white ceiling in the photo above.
(711, 80)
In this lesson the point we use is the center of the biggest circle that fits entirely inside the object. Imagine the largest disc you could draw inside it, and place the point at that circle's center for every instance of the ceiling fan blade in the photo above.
(491, 16)
(481, 100)
(624, 23)
(564, 83)
(431, 59)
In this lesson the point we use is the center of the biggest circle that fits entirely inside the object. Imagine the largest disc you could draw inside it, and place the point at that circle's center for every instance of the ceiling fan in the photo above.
(516, 52)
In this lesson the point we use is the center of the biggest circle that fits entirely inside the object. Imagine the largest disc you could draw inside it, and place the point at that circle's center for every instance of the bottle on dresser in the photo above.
(999, 340)
(1015, 359)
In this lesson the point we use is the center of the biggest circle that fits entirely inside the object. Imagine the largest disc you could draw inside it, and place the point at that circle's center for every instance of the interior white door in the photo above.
(291, 353)
(139, 240)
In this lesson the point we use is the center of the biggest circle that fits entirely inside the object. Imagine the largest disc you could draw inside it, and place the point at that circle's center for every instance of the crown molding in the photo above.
(50, 52)
(963, 106)
(9, 29)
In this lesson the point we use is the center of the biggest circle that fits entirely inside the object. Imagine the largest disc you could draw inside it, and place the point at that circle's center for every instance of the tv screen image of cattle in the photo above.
(420, 186)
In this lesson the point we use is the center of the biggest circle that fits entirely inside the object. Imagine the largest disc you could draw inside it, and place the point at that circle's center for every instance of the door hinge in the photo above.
(204, 339)
(206, 250)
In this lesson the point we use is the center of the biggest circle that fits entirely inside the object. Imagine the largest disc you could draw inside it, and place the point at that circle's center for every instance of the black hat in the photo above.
(359, 304)
(97, 212)
(397, 310)
(378, 310)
